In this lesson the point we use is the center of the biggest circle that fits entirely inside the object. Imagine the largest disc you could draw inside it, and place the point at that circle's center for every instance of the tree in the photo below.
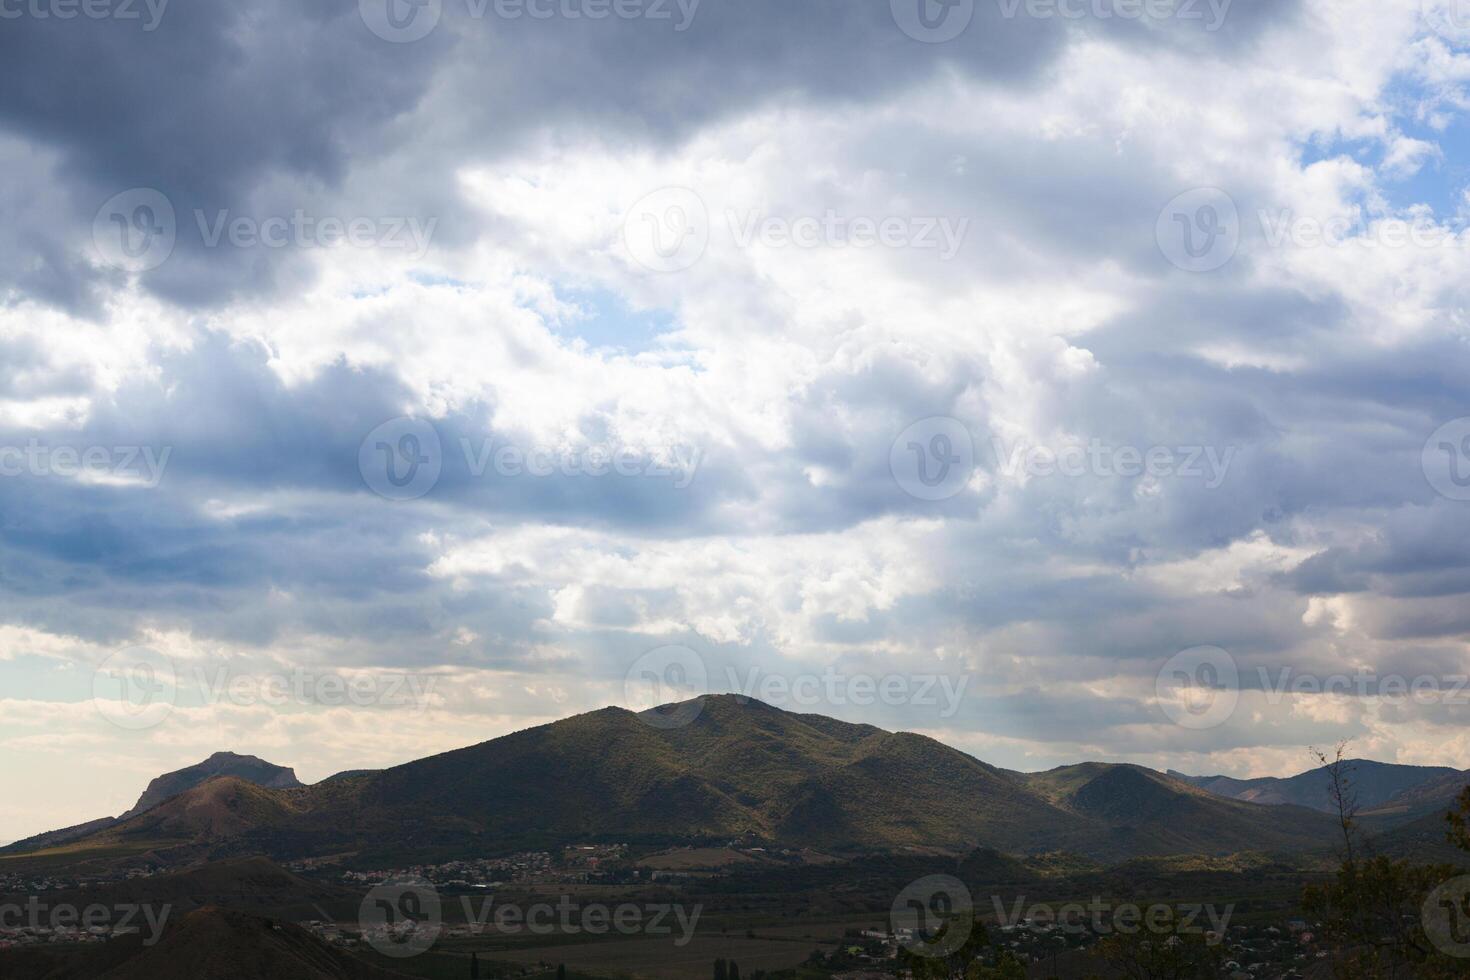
(1372, 908)
(1460, 822)
(1154, 956)
(923, 965)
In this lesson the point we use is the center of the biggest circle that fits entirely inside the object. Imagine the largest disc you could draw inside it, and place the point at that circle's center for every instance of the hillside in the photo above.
(1376, 783)
(164, 788)
(1153, 814)
(207, 944)
(741, 768)
(246, 767)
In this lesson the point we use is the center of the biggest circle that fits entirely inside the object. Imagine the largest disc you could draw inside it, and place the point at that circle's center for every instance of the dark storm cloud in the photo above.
(218, 98)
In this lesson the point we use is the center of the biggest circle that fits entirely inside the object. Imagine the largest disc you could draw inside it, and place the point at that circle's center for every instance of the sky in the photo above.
(1063, 380)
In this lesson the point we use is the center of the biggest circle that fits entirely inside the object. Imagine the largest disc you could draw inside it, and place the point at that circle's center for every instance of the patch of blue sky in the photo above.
(606, 321)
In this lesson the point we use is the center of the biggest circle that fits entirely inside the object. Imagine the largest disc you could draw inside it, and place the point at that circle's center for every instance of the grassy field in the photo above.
(660, 959)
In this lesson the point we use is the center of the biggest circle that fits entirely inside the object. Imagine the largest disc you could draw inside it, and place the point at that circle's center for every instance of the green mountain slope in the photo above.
(739, 768)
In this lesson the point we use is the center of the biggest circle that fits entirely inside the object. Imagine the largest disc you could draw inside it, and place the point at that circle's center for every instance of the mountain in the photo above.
(740, 768)
(1154, 813)
(55, 838)
(246, 767)
(164, 788)
(1376, 783)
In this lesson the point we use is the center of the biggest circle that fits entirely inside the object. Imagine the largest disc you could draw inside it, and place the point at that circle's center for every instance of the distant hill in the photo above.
(741, 768)
(1377, 785)
(1150, 813)
(246, 767)
(164, 788)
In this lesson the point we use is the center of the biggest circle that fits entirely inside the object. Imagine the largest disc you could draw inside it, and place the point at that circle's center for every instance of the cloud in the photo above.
(626, 447)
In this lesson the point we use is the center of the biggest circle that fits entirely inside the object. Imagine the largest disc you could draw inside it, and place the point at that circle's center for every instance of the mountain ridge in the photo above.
(718, 767)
